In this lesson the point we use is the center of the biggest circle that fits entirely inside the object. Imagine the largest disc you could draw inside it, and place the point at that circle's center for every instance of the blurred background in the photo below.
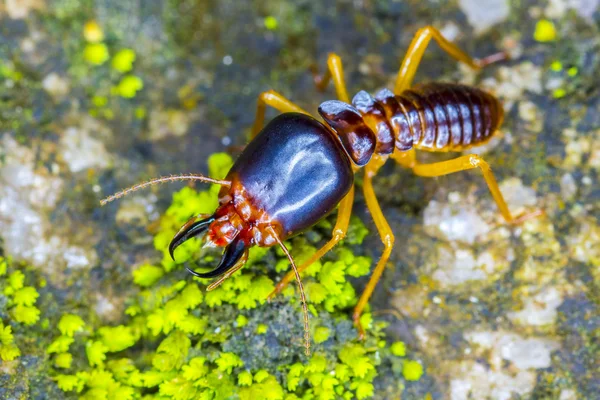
(98, 95)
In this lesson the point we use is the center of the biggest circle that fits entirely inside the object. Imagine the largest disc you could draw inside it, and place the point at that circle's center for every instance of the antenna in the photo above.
(163, 179)
(302, 296)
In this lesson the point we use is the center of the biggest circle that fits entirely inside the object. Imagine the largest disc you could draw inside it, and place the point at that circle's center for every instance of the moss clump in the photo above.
(545, 31)
(123, 60)
(19, 303)
(176, 342)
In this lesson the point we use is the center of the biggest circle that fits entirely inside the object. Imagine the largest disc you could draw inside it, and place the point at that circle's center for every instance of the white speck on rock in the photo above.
(422, 335)
(517, 195)
(19, 9)
(584, 246)
(539, 309)
(461, 266)
(483, 14)
(523, 353)
(56, 85)
(164, 123)
(511, 82)
(450, 31)
(529, 112)
(584, 8)
(75, 257)
(568, 394)
(81, 151)
(594, 159)
(475, 381)
(575, 149)
(454, 222)
(568, 187)
(454, 197)
(528, 353)
(138, 210)
(103, 306)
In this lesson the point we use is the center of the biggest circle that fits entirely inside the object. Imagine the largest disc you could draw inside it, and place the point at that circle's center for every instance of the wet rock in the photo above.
(26, 196)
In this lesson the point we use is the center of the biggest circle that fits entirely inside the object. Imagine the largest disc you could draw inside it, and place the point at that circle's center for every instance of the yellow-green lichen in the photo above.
(271, 23)
(545, 31)
(178, 342)
(95, 53)
(129, 86)
(20, 305)
(92, 32)
(123, 60)
(412, 370)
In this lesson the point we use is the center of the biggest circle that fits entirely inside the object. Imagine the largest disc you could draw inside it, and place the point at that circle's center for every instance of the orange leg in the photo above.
(339, 232)
(407, 159)
(334, 70)
(387, 237)
(472, 161)
(275, 100)
(413, 56)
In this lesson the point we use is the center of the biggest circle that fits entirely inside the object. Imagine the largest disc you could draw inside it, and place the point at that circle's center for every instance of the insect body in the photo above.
(297, 169)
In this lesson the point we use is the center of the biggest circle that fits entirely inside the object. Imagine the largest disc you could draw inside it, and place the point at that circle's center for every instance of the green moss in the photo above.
(96, 53)
(321, 334)
(270, 22)
(20, 306)
(412, 370)
(123, 60)
(545, 31)
(176, 341)
(129, 86)
(398, 349)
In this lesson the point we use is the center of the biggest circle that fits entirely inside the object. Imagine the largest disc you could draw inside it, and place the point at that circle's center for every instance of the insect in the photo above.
(297, 169)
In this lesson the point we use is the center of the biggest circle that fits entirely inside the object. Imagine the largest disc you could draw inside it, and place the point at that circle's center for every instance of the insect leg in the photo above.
(387, 237)
(472, 161)
(334, 70)
(407, 159)
(275, 100)
(339, 232)
(413, 56)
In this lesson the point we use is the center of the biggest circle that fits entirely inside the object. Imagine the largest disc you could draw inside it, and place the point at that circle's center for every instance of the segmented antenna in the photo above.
(163, 179)
(302, 296)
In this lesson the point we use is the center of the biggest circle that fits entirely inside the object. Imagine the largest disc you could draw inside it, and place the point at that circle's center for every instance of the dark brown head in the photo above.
(358, 139)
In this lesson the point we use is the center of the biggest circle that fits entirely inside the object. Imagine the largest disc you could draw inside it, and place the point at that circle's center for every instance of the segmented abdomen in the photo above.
(433, 117)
